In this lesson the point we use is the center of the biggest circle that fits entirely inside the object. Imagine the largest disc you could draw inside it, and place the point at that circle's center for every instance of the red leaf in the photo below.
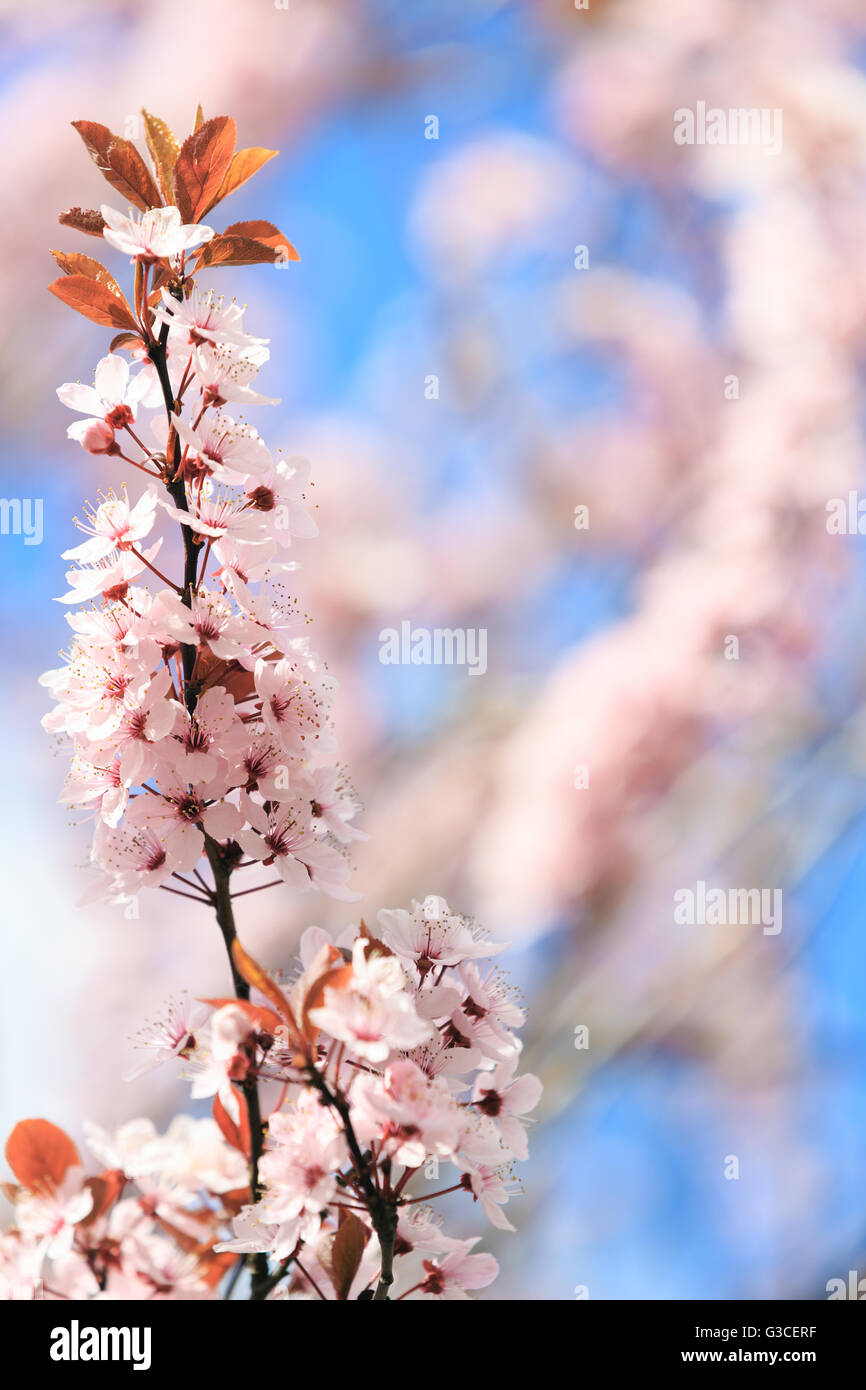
(106, 1190)
(39, 1154)
(335, 977)
(235, 250)
(347, 1250)
(94, 301)
(250, 970)
(163, 150)
(129, 341)
(266, 232)
(244, 164)
(374, 946)
(73, 263)
(236, 1135)
(120, 163)
(87, 220)
(203, 162)
(212, 1266)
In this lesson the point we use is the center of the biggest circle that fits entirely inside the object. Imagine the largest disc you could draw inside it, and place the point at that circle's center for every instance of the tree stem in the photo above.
(258, 1263)
(382, 1209)
(177, 492)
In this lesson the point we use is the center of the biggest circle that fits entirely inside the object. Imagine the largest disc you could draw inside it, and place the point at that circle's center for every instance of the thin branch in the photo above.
(144, 560)
(193, 897)
(274, 883)
(310, 1279)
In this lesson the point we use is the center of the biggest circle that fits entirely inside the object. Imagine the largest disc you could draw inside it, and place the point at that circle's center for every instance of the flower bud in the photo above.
(98, 438)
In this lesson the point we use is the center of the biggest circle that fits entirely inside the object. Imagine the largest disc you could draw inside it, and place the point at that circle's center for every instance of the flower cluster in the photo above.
(199, 722)
(397, 1058)
(145, 1227)
(390, 1059)
(197, 710)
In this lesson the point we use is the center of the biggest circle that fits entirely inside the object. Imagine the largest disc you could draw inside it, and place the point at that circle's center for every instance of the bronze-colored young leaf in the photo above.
(95, 301)
(87, 220)
(39, 1154)
(73, 263)
(244, 164)
(164, 150)
(337, 976)
(130, 341)
(235, 250)
(236, 1134)
(202, 164)
(105, 1191)
(199, 119)
(250, 970)
(346, 1253)
(120, 163)
(266, 232)
(213, 1265)
(373, 945)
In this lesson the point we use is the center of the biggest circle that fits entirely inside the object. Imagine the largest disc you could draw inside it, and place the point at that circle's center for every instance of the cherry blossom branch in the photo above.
(221, 873)
(187, 707)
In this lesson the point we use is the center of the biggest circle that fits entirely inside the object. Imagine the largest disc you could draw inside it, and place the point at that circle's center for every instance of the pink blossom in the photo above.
(487, 1013)
(114, 524)
(224, 374)
(489, 1189)
(283, 836)
(215, 1066)
(507, 1099)
(50, 1217)
(451, 1276)
(407, 1112)
(91, 780)
(199, 719)
(430, 934)
(295, 698)
(112, 401)
(142, 727)
(155, 235)
(229, 450)
(168, 1037)
(332, 803)
(95, 688)
(277, 494)
(194, 808)
(375, 1015)
(305, 1149)
(203, 317)
(94, 436)
(215, 516)
(209, 618)
(144, 856)
(206, 738)
(109, 576)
